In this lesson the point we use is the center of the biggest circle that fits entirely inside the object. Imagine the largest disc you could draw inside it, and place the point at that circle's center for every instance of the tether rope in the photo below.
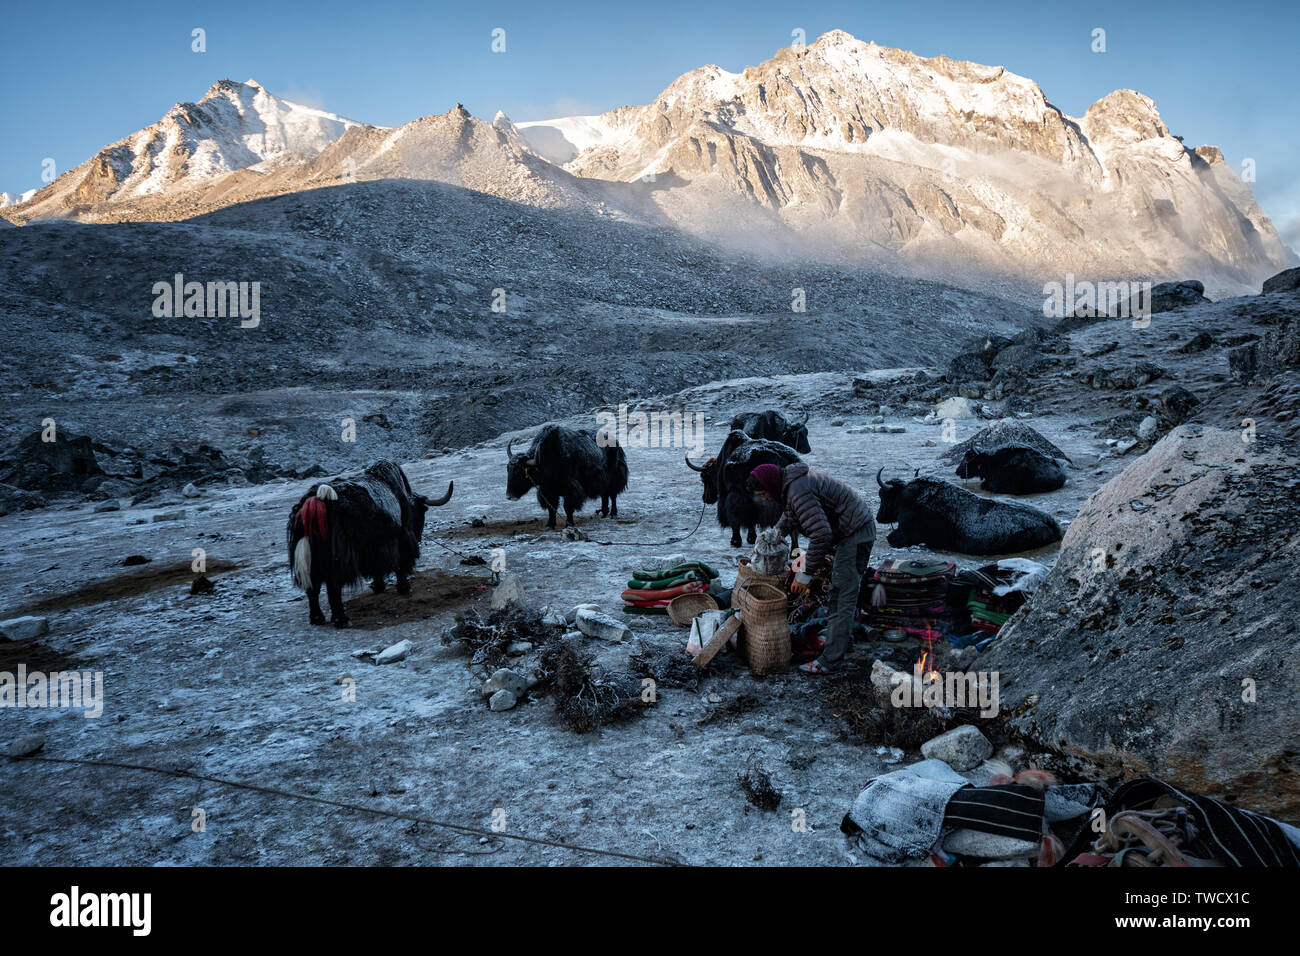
(338, 804)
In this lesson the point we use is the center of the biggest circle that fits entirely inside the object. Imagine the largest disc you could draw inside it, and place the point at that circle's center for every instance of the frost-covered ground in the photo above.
(236, 684)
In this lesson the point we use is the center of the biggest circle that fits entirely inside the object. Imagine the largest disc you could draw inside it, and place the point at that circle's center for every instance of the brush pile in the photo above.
(584, 698)
(487, 639)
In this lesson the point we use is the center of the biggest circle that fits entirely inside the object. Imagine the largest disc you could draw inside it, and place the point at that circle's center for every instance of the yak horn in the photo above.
(691, 465)
(435, 502)
(508, 444)
(878, 474)
(804, 420)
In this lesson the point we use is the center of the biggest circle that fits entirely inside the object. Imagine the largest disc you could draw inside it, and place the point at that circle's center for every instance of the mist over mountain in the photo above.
(840, 150)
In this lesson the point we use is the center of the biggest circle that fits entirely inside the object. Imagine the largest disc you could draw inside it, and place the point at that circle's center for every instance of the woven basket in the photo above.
(763, 611)
(684, 608)
(747, 575)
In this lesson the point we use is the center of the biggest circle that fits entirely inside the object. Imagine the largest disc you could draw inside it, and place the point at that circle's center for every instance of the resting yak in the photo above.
(562, 463)
(1012, 470)
(354, 530)
(774, 427)
(724, 482)
(942, 516)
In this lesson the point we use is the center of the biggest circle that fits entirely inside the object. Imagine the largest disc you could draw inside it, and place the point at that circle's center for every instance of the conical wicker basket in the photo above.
(763, 610)
(747, 575)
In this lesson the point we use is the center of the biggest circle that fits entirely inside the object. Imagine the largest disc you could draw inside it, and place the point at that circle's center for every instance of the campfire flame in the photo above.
(925, 666)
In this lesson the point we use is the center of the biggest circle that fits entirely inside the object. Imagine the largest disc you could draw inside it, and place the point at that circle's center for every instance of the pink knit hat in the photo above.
(768, 477)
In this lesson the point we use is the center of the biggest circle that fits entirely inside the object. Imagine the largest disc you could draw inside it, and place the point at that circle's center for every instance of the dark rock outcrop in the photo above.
(65, 464)
(1163, 641)
(1288, 281)
(1173, 295)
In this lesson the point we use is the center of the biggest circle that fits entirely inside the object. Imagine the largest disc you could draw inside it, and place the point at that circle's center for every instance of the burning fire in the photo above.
(925, 666)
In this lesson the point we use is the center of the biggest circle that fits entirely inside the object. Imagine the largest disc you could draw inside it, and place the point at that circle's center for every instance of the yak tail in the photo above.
(312, 531)
(302, 564)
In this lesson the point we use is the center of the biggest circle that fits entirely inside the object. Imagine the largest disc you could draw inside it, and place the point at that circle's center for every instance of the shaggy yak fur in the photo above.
(724, 485)
(567, 466)
(774, 426)
(1012, 470)
(942, 516)
(354, 530)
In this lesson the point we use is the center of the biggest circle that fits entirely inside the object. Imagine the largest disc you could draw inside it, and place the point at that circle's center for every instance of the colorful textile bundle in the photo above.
(909, 596)
(651, 590)
(995, 591)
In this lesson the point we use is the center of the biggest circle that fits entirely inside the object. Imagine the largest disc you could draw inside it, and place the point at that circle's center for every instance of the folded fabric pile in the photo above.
(650, 590)
(996, 591)
(908, 595)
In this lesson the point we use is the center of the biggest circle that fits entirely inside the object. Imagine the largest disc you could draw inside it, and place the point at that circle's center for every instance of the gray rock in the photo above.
(962, 748)
(987, 846)
(1147, 430)
(502, 700)
(190, 491)
(394, 653)
(517, 648)
(957, 409)
(572, 614)
(601, 626)
(968, 367)
(177, 514)
(507, 594)
(508, 680)
(112, 504)
(1172, 295)
(24, 628)
(1286, 281)
(1207, 577)
(25, 746)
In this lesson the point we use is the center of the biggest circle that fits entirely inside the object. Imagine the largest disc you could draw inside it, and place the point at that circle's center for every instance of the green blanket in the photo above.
(662, 584)
(653, 579)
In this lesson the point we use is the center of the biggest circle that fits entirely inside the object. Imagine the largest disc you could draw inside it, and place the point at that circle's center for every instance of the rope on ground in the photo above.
(634, 544)
(338, 804)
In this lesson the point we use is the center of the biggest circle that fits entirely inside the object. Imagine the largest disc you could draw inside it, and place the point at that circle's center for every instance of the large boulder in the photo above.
(1004, 433)
(1172, 295)
(65, 464)
(1163, 641)
(1287, 281)
(1275, 350)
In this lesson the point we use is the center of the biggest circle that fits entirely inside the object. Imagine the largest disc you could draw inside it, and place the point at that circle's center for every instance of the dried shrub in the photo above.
(854, 701)
(756, 783)
(486, 638)
(584, 699)
(667, 667)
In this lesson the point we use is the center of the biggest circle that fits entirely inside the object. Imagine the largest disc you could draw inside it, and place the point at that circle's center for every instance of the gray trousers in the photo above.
(852, 561)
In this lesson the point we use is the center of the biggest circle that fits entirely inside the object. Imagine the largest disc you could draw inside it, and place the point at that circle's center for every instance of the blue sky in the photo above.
(77, 76)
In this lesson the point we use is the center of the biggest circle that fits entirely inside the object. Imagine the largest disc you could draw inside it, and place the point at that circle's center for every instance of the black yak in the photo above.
(724, 482)
(564, 464)
(356, 529)
(942, 516)
(774, 427)
(1012, 470)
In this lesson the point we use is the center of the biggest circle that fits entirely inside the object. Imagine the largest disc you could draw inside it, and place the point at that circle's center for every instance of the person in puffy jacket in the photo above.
(841, 533)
